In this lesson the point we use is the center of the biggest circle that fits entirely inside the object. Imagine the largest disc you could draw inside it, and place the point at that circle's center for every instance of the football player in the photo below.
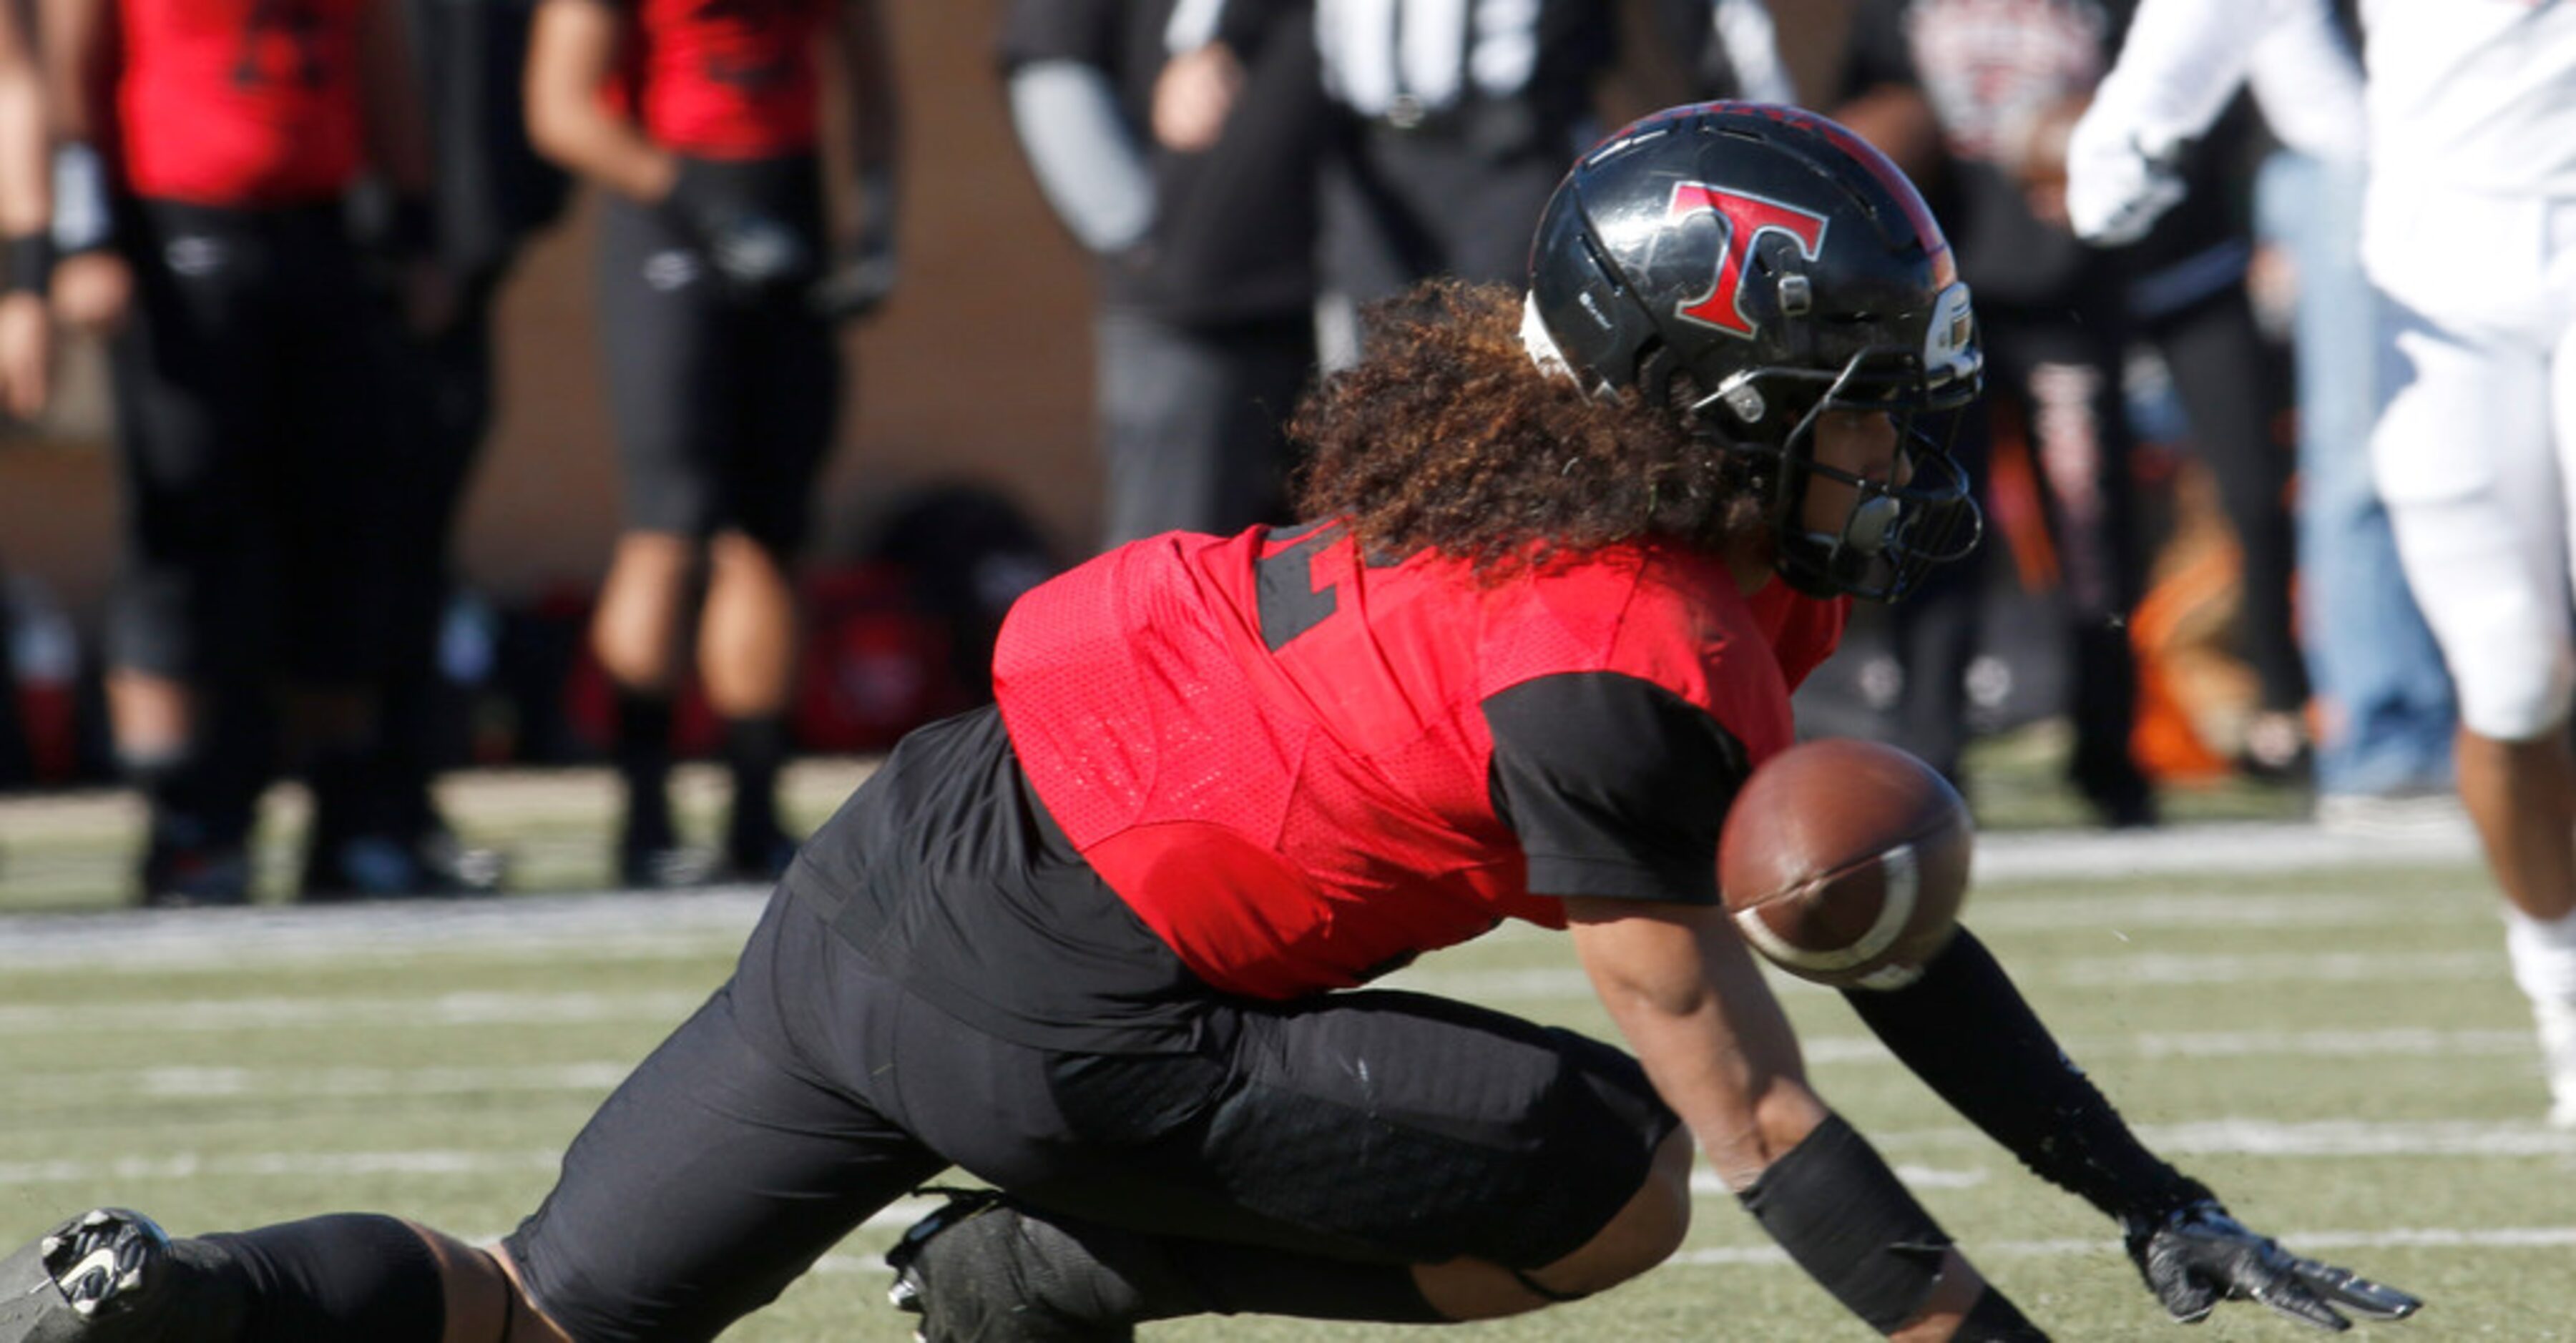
(2471, 113)
(1104, 945)
(199, 190)
(26, 219)
(717, 314)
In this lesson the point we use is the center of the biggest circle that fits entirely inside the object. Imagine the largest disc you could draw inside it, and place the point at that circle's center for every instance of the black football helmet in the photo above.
(1753, 267)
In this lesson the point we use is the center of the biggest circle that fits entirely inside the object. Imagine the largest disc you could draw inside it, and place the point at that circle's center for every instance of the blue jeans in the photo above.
(2372, 661)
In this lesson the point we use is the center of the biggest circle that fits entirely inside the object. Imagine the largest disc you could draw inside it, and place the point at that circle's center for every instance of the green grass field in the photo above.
(2323, 1031)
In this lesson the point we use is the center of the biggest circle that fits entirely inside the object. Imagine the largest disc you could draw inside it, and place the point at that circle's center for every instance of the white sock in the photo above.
(2543, 954)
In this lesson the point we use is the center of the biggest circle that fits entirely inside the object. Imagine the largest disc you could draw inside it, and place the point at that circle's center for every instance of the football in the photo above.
(1845, 862)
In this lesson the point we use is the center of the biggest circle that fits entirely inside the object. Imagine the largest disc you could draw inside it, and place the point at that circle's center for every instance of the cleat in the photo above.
(2557, 1022)
(966, 1270)
(102, 1277)
(672, 868)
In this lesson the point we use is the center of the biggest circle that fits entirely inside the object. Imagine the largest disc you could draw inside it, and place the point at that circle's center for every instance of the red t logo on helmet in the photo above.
(1747, 218)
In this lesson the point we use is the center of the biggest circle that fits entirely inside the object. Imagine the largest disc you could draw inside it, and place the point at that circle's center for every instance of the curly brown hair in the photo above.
(1446, 437)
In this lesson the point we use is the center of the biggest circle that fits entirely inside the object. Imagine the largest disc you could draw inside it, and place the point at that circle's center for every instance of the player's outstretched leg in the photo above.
(108, 1276)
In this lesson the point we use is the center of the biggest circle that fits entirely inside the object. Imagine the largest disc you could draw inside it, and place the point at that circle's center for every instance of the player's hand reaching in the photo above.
(2197, 1256)
(862, 276)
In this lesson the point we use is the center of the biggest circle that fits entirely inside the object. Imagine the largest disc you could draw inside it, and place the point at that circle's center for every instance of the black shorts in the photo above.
(812, 1090)
(723, 405)
(252, 389)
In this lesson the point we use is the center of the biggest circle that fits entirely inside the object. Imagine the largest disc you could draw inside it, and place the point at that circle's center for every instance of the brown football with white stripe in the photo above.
(1845, 862)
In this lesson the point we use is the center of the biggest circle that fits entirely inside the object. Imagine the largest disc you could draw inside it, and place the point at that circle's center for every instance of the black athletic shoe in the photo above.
(679, 867)
(106, 1276)
(966, 1271)
(757, 858)
(177, 876)
(384, 867)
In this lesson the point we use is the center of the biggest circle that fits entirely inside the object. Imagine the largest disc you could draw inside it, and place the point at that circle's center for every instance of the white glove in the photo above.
(2116, 189)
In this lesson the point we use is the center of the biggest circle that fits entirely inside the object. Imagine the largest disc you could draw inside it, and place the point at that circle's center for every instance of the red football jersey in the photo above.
(1275, 754)
(724, 79)
(239, 103)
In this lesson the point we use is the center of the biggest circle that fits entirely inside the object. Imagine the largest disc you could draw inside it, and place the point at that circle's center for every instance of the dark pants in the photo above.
(2231, 384)
(254, 388)
(724, 403)
(1191, 421)
(812, 1090)
(1450, 199)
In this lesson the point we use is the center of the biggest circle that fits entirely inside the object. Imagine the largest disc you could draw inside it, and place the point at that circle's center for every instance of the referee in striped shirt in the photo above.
(1458, 117)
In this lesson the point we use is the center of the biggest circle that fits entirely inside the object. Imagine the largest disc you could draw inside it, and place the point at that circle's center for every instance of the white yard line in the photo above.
(190, 1082)
(627, 924)
(2478, 1238)
(2349, 1140)
(335, 1012)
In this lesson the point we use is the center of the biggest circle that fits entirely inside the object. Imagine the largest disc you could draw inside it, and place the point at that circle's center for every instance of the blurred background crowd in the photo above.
(426, 385)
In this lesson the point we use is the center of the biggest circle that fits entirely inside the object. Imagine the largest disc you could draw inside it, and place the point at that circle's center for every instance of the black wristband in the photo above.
(29, 266)
(1845, 1218)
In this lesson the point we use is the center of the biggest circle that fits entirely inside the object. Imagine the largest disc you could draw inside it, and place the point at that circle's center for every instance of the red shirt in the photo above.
(724, 79)
(1277, 756)
(240, 103)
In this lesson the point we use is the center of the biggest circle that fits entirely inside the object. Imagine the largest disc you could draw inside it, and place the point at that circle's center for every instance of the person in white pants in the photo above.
(2469, 235)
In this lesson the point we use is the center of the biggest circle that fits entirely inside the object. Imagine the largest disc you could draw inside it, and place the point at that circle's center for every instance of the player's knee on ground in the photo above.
(1646, 1232)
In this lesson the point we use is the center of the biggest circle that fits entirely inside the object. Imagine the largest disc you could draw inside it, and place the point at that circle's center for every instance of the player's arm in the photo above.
(863, 274)
(26, 218)
(1881, 94)
(2179, 65)
(397, 124)
(1089, 160)
(572, 48)
(92, 285)
(1969, 1034)
(395, 109)
(1687, 997)
(1615, 789)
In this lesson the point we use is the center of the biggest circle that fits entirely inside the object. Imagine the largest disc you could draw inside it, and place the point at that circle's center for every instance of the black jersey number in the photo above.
(299, 26)
(1289, 603)
(769, 70)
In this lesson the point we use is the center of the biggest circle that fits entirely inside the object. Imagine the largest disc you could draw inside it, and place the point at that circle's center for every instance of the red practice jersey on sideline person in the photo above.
(724, 79)
(240, 103)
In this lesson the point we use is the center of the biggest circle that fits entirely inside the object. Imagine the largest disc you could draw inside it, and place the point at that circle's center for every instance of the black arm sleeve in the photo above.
(1615, 786)
(1967, 1032)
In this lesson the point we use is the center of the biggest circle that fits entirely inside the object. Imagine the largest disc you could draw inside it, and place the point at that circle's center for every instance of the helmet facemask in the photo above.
(1893, 533)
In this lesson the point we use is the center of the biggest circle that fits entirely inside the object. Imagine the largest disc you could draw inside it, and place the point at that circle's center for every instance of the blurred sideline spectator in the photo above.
(26, 219)
(1184, 160)
(718, 302)
(1456, 121)
(1956, 93)
(490, 191)
(1977, 99)
(208, 153)
(26, 265)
